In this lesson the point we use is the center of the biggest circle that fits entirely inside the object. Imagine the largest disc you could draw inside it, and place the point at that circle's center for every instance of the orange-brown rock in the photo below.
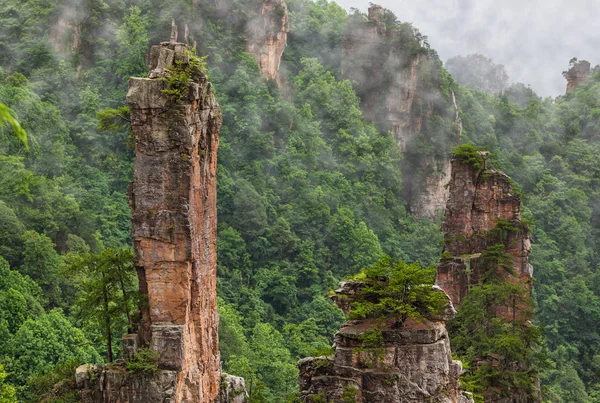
(399, 94)
(173, 202)
(413, 364)
(267, 37)
(578, 73)
(479, 200)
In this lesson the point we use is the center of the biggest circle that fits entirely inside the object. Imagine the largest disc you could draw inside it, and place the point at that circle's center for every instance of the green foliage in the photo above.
(114, 119)
(145, 362)
(7, 392)
(55, 386)
(501, 348)
(470, 154)
(397, 290)
(179, 76)
(349, 395)
(323, 190)
(43, 342)
(107, 291)
(7, 117)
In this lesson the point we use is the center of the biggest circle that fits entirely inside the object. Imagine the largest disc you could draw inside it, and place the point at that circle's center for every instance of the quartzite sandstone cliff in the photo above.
(396, 80)
(480, 199)
(483, 212)
(267, 37)
(173, 202)
(413, 365)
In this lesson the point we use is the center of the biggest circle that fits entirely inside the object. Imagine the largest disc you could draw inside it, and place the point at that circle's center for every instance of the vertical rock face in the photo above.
(486, 239)
(173, 202)
(412, 365)
(394, 80)
(579, 72)
(267, 37)
(479, 200)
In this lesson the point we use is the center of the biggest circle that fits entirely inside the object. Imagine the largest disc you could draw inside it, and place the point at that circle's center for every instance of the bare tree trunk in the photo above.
(107, 324)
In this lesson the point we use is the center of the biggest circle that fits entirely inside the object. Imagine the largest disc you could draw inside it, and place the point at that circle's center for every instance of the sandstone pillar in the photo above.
(479, 200)
(173, 202)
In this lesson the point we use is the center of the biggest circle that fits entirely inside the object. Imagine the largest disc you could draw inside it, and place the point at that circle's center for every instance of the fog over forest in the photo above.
(533, 39)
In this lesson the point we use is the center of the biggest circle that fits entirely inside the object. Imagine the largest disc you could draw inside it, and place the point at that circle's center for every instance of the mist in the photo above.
(533, 39)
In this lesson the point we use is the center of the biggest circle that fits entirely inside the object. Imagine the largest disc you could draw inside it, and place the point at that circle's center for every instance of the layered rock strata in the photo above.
(480, 199)
(267, 37)
(400, 94)
(413, 364)
(482, 214)
(173, 202)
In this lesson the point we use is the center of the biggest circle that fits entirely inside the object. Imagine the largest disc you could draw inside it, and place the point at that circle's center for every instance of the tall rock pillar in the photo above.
(482, 203)
(267, 37)
(485, 270)
(173, 202)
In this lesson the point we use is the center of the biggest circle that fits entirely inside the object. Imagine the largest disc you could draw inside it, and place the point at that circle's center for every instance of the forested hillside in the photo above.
(309, 192)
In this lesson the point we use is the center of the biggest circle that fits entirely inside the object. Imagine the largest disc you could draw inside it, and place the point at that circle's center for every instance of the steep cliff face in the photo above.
(398, 82)
(173, 202)
(486, 258)
(481, 203)
(267, 37)
(412, 364)
(578, 73)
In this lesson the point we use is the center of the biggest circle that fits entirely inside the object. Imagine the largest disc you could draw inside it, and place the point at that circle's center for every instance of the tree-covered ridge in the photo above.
(309, 192)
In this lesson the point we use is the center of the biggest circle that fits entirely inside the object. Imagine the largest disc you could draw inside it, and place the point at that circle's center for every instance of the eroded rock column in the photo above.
(173, 202)
(481, 200)
(399, 94)
(267, 37)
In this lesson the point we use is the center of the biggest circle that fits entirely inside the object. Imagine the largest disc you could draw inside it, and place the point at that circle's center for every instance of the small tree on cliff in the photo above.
(107, 293)
(396, 289)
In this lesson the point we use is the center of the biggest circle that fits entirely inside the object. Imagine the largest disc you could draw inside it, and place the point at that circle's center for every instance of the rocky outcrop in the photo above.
(398, 82)
(483, 210)
(413, 363)
(578, 73)
(233, 390)
(267, 37)
(173, 202)
(486, 243)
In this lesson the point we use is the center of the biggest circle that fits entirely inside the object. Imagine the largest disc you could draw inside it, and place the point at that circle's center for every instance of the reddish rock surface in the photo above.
(479, 199)
(267, 37)
(173, 202)
(413, 364)
(578, 73)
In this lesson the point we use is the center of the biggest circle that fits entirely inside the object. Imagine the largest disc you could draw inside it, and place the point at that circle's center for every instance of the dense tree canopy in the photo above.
(309, 192)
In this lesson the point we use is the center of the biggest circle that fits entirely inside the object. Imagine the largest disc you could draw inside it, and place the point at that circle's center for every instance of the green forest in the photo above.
(309, 192)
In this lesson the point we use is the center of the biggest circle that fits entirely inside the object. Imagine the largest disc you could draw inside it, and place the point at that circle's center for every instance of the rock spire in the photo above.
(173, 203)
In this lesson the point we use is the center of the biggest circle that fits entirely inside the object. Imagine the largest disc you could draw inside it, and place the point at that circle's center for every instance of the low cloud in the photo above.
(533, 39)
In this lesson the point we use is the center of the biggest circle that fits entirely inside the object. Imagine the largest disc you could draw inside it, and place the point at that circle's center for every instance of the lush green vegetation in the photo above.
(397, 290)
(309, 192)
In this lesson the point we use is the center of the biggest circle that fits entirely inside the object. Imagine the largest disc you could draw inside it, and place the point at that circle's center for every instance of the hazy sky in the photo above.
(533, 39)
